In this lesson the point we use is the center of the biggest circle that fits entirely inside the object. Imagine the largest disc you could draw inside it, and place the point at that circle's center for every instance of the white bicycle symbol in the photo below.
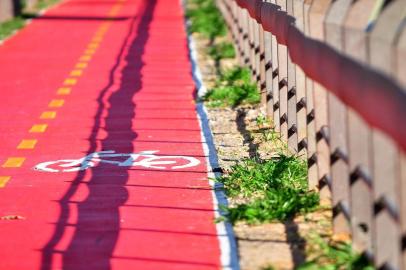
(146, 159)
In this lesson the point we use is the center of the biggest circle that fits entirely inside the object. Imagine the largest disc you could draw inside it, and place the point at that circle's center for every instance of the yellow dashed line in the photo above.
(4, 180)
(70, 81)
(81, 65)
(64, 91)
(48, 115)
(93, 45)
(38, 128)
(85, 58)
(13, 162)
(97, 39)
(56, 103)
(90, 51)
(27, 144)
(76, 72)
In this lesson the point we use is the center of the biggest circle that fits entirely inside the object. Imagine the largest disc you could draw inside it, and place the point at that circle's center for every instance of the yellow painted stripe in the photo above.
(48, 115)
(70, 81)
(90, 51)
(64, 91)
(38, 128)
(93, 45)
(76, 72)
(27, 144)
(81, 65)
(14, 162)
(105, 26)
(4, 180)
(85, 58)
(56, 103)
(97, 39)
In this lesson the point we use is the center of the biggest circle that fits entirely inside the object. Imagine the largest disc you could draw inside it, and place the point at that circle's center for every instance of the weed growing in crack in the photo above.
(233, 88)
(269, 190)
(328, 255)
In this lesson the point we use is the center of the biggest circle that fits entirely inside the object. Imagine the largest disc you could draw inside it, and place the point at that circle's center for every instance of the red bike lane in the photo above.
(91, 76)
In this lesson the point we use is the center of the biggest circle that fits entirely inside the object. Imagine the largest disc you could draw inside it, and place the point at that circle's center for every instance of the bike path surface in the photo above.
(97, 75)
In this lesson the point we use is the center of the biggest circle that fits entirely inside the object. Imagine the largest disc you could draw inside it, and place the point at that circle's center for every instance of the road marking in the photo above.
(85, 58)
(4, 180)
(97, 39)
(93, 45)
(64, 91)
(27, 144)
(56, 103)
(76, 72)
(70, 81)
(38, 128)
(81, 65)
(14, 162)
(90, 51)
(48, 115)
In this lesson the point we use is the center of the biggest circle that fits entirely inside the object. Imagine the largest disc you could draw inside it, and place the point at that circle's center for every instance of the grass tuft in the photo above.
(233, 88)
(9, 27)
(221, 50)
(270, 190)
(328, 255)
(206, 19)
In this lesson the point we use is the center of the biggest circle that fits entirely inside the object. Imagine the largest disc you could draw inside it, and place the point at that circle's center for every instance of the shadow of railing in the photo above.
(98, 222)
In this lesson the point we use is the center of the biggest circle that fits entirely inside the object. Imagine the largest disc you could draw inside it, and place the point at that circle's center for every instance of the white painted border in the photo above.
(225, 234)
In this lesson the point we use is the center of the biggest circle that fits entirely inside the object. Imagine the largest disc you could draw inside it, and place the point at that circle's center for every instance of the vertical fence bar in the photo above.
(6, 10)
(337, 112)
(257, 59)
(317, 15)
(386, 171)
(240, 34)
(245, 27)
(262, 69)
(359, 135)
(400, 65)
(311, 127)
(283, 83)
(300, 78)
(268, 73)
(251, 44)
(291, 95)
(275, 82)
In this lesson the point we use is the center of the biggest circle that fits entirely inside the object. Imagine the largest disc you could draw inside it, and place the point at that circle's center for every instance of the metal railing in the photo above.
(332, 76)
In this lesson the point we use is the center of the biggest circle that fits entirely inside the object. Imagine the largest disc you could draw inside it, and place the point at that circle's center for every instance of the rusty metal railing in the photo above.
(332, 76)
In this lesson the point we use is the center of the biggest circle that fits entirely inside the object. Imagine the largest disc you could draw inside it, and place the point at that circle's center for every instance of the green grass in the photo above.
(233, 88)
(206, 19)
(271, 190)
(222, 50)
(9, 27)
(42, 4)
(333, 256)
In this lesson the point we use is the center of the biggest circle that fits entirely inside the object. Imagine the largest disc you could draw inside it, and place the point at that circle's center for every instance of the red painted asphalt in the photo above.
(135, 93)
